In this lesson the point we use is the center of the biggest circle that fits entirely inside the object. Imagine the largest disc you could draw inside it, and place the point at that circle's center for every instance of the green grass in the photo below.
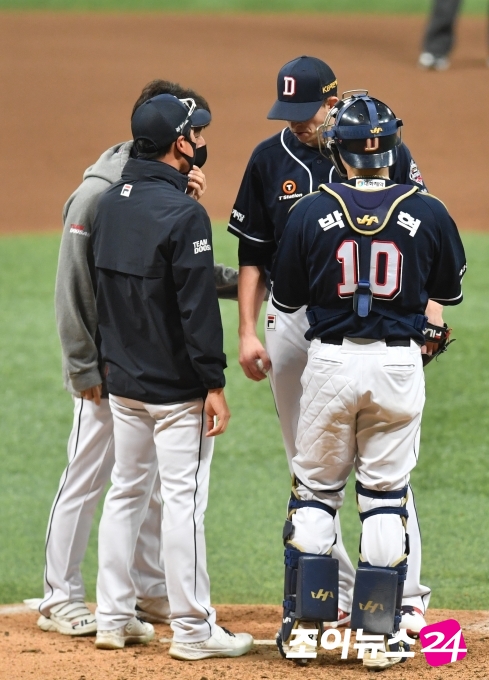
(249, 483)
(372, 6)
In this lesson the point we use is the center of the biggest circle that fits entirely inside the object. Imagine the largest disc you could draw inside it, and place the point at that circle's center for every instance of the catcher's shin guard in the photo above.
(377, 595)
(310, 589)
(377, 598)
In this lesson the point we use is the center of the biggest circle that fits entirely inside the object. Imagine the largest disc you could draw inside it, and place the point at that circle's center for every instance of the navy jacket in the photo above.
(159, 319)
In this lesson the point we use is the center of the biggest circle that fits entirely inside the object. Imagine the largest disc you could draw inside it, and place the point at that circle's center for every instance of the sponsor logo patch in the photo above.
(414, 173)
(237, 215)
(126, 190)
(271, 322)
(201, 246)
(288, 197)
(78, 229)
(289, 187)
(370, 184)
(329, 87)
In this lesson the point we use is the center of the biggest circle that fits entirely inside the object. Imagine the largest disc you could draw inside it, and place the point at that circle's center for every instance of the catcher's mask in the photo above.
(361, 130)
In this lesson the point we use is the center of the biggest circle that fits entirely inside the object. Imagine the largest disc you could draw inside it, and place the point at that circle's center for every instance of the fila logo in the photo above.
(376, 130)
(289, 86)
(271, 322)
(371, 606)
(366, 219)
(126, 190)
(322, 595)
(371, 144)
(432, 333)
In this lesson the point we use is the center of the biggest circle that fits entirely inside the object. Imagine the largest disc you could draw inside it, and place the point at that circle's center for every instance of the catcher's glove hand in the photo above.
(437, 339)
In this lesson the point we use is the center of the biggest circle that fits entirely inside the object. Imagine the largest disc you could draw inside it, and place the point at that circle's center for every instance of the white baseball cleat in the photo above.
(429, 61)
(153, 610)
(222, 643)
(69, 618)
(379, 661)
(344, 619)
(412, 619)
(135, 632)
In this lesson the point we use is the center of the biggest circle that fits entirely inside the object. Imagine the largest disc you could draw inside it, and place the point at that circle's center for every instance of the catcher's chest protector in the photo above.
(368, 212)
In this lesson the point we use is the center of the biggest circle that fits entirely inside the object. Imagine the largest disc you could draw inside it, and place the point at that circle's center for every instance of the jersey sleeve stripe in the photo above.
(284, 308)
(436, 299)
(231, 227)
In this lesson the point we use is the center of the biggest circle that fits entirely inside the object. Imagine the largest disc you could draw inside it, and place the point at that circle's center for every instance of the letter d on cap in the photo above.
(289, 86)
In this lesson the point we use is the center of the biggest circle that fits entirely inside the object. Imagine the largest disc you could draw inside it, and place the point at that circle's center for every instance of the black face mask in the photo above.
(200, 156)
(190, 159)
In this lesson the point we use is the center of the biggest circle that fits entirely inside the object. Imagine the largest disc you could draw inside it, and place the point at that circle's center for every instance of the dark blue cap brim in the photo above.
(200, 118)
(297, 112)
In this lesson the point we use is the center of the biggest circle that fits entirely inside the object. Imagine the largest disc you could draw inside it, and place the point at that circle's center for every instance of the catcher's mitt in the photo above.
(437, 339)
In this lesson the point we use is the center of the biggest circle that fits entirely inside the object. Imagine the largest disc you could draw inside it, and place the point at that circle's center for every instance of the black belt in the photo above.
(405, 342)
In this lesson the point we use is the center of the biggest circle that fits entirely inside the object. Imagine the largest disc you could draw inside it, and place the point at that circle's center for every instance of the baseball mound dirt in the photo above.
(69, 82)
(26, 652)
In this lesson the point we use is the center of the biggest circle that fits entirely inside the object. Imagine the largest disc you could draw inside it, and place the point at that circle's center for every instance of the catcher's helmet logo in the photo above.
(372, 144)
(289, 86)
(289, 186)
(376, 130)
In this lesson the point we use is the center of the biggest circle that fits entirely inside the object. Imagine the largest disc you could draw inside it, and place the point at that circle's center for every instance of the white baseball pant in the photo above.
(361, 409)
(171, 438)
(287, 348)
(82, 484)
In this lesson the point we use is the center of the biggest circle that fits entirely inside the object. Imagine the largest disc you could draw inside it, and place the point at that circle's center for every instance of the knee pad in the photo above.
(310, 589)
(399, 495)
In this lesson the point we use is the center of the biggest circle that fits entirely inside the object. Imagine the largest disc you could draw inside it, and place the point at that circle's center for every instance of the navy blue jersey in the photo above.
(282, 170)
(417, 256)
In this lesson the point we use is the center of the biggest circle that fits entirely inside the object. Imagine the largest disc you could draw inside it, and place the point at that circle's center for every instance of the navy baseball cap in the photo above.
(302, 86)
(160, 121)
(200, 118)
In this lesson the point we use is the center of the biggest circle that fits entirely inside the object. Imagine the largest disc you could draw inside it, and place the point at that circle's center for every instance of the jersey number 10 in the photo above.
(385, 268)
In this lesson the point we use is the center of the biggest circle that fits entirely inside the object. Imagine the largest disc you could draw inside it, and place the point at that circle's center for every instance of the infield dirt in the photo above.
(69, 82)
(26, 652)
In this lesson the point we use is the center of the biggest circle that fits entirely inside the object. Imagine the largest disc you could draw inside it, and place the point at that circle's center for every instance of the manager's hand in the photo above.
(217, 412)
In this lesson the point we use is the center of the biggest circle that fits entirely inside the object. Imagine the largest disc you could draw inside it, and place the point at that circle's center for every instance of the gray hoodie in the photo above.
(76, 312)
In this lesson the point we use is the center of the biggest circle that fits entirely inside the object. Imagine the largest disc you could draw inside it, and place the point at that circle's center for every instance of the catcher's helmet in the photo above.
(365, 132)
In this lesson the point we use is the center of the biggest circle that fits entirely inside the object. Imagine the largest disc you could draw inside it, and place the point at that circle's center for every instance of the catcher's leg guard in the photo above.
(377, 598)
(311, 581)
